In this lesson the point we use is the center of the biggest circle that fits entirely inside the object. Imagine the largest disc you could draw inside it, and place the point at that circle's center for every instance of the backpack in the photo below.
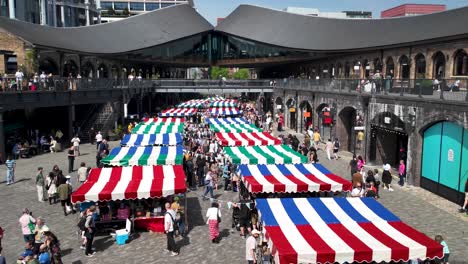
(337, 144)
(81, 223)
(175, 226)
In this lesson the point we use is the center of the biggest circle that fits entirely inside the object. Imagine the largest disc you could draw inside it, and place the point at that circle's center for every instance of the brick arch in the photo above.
(440, 117)
(53, 63)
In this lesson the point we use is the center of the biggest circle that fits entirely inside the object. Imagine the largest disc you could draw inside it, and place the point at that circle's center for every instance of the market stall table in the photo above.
(273, 154)
(154, 128)
(330, 230)
(291, 178)
(236, 128)
(182, 112)
(171, 139)
(133, 156)
(247, 139)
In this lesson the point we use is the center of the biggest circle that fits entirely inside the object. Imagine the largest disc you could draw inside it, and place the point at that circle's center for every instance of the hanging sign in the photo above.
(450, 155)
(292, 110)
(387, 120)
(306, 114)
(278, 106)
(359, 128)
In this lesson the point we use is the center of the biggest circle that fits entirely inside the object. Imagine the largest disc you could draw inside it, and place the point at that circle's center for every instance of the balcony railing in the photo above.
(445, 89)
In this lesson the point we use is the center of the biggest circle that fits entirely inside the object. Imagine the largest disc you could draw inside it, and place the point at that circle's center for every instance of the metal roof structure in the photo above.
(283, 29)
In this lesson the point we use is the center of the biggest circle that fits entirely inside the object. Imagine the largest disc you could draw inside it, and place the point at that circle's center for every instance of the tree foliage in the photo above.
(217, 72)
(241, 74)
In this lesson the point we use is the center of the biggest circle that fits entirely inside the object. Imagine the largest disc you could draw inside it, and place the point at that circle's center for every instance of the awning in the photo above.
(291, 178)
(276, 154)
(238, 128)
(192, 104)
(176, 120)
(224, 111)
(178, 112)
(247, 139)
(137, 182)
(227, 120)
(215, 98)
(170, 139)
(154, 128)
(134, 156)
(329, 230)
(225, 103)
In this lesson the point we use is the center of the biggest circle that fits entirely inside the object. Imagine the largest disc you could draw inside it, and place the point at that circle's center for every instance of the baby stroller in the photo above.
(235, 218)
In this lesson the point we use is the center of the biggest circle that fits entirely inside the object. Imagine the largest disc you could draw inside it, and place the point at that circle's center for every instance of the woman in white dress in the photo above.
(51, 187)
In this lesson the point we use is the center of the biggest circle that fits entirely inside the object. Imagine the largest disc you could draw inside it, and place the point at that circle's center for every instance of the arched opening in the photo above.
(345, 128)
(377, 65)
(88, 70)
(124, 73)
(444, 169)
(460, 63)
(324, 120)
(390, 67)
(389, 139)
(366, 68)
(102, 71)
(306, 115)
(292, 120)
(404, 67)
(357, 69)
(48, 66)
(339, 70)
(70, 68)
(115, 72)
(347, 70)
(438, 61)
(420, 69)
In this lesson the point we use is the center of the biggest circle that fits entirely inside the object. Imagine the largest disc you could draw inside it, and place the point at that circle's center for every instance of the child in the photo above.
(440, 239)
(266, 255)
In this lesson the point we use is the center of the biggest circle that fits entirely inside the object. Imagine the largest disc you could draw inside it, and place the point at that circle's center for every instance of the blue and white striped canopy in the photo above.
(227, 121)
(170, 139)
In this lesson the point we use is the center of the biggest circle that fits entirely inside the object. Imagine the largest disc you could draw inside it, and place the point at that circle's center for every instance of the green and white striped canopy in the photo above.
(144, 156)
(155, 128)
(234, 128)
(274, 154)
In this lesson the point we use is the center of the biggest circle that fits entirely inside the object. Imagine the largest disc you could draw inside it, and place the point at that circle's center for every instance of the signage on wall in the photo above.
(450, 155)
(359, 128)
(306, 114)
(387, 120)
(278, 107)
(292, 109)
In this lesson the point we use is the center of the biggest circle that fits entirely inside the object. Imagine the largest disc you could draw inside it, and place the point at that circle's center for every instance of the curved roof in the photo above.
(134, 33)
(302, 32)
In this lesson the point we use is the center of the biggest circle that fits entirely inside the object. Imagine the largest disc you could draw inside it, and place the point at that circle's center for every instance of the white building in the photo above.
(315, 12)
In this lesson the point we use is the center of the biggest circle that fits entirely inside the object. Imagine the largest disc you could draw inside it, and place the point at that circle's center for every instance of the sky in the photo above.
(212, 9)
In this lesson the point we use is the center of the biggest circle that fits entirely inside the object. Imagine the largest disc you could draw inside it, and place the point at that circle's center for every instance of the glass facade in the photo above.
(106, 5)
(152, 6)
(163, 5)
(120, 5)
(137, 6)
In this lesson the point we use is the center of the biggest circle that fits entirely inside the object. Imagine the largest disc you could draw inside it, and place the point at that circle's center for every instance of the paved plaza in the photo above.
(424, 211)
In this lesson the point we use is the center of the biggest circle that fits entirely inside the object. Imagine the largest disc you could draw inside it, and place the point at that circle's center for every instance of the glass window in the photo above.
(137, 6)
(152, 6)
(163, 5)
(120, 6)
(106, 5)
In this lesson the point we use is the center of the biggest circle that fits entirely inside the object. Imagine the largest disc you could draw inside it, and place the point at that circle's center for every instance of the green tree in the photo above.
(241, 74)
(217, 72)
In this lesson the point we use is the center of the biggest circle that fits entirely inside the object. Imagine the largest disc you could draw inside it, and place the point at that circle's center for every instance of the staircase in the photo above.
(102, 118)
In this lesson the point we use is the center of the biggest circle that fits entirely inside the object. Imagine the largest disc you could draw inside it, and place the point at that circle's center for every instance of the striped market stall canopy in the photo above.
(158, 120)
(154, 128)
(227, 120)
(247, 139)
(143, 156)
(275, 154)
(291, 178)
(231, 103)
(137, 182)
(178, 112)
(338, 230)
(215, 98)
(170, 139)
(192, 104)
(238, 128)
(224, 111)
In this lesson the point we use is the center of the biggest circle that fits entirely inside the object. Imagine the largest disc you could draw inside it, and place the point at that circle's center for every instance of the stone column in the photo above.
(71, 121)
(43, 12)
(87, 12)
(11, 9)
(62, 15)
(2, 138)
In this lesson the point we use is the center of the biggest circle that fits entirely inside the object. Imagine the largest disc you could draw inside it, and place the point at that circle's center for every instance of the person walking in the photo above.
(169, 228)
(51, 187)
(40, 184)
(213, 215)
(64, 191)
(251, 246)
(402, 173)
(98, 139)
(336, 148)
(209, 182)
(39, 237)
(26, 222)
(2, 258)
(464, 207)
(439, 239)
(10, 163)
(90, 230)
(82, 173)
(227, 175)
(71, 159)
(316, 137)
(387, 177)
(329, 148)
(76, 145)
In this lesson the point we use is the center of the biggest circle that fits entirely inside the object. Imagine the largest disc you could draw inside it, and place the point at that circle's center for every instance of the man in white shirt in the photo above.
(357, 191)
(98, 139)
(250, 246)
(19, 79)
(169, 221)
(76, 145)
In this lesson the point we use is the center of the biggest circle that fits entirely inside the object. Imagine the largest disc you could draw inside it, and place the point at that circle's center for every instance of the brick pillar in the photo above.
(449, 67)
(414, 154)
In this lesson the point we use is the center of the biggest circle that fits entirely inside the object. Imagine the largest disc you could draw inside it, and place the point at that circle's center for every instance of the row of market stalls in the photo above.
(314, 230)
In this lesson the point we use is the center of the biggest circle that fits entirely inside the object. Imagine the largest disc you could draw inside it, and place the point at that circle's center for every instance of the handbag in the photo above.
(31, 226)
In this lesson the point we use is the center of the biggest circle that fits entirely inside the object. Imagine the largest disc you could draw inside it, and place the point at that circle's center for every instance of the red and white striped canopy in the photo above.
(247, 139)
(338, 230)
(137, 182)
(178, 112)
(291, 178)
(176, 120)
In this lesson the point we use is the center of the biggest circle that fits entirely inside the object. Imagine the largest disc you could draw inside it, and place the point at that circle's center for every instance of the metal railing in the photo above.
(444, 89)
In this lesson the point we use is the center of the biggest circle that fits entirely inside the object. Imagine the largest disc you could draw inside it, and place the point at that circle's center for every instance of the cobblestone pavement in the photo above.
(410, 204)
